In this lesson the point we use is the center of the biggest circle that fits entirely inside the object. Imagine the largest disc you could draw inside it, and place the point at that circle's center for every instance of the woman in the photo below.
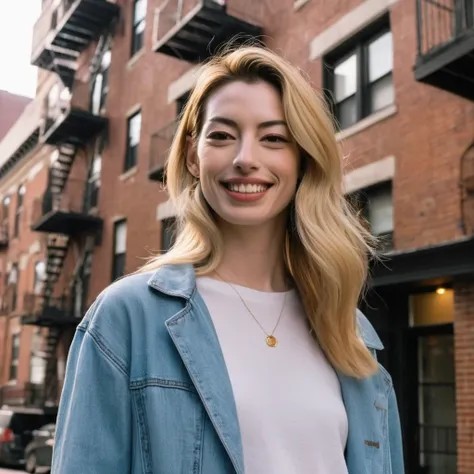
(241, 349)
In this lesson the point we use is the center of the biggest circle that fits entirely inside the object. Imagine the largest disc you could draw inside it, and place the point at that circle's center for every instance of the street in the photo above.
(10, 471)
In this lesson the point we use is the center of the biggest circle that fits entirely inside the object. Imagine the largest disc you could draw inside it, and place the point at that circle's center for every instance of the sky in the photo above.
(17, 18)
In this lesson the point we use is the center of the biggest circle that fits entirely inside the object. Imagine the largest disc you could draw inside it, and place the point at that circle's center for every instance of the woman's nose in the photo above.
(246, 160)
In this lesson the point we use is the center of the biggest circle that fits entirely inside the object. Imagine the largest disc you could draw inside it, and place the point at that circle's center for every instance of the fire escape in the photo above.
(63, 31)
(193, 31)
(445, 37)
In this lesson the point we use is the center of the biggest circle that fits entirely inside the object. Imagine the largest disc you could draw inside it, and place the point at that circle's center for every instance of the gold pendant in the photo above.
(271, 341)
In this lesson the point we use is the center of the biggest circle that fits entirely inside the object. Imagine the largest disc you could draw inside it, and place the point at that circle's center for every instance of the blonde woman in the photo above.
(241, 349)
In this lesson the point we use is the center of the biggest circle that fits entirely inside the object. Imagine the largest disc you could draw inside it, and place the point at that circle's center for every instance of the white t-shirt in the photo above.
(289, 404)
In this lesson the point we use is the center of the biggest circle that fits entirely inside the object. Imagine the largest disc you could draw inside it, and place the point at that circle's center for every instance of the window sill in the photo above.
(135, 58)
(299, 4)
(128, 174)
(367, 122)
(11, 383)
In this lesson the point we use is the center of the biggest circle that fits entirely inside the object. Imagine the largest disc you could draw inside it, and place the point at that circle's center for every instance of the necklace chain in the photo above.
(271, 340)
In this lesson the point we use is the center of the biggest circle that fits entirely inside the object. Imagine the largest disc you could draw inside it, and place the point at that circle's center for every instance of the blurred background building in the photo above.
(81, 171)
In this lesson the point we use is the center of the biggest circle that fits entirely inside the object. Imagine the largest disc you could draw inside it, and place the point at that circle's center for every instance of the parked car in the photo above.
(16, 432)
(39, 452)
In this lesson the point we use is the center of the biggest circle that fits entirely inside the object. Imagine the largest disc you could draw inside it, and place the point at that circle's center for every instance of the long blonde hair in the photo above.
(327, 249)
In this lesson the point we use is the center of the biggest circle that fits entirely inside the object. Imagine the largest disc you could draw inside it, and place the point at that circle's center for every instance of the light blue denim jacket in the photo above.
(147, 391)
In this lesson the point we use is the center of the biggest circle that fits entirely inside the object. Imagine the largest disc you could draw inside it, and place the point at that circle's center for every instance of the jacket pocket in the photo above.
(170, 426)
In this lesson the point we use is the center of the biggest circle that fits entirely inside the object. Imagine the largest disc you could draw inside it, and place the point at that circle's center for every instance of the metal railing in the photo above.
(439, 22)
(160, 145)
(37, 304)
(71, 199)
(49, 19)
(172, 12)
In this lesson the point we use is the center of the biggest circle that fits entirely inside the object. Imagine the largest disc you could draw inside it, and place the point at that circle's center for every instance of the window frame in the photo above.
(91, 199)
(131, 151)
(168, 233)
(357, 44)
(137, 39)
(103, 72)
(360, 202)
(14, 361)
(20, 198)
(116, 257)
(14, 286)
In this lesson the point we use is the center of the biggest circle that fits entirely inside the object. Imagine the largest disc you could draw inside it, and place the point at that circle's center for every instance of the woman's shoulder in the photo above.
(120, 312)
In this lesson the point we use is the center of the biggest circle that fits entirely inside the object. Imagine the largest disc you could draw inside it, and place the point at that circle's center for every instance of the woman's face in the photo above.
(245, 158)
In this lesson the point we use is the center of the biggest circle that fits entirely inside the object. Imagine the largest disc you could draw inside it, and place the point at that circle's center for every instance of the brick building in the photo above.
(82, 202)
(11, 107)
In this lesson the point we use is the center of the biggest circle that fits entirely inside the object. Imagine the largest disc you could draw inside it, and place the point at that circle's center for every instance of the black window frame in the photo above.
(14, 286)
(138, 38)
(131, 152)
(358, 44)
(118, 259)
(360, 202)
(20, 197)
(103, 72)
(181, 103)
(168, 233)
(91, 200)
(14, 357)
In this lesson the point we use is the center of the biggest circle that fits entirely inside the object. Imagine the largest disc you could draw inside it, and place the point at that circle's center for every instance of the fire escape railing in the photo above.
(440, 22)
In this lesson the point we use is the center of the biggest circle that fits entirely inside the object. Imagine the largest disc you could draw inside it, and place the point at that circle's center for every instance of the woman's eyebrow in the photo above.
(233, 123)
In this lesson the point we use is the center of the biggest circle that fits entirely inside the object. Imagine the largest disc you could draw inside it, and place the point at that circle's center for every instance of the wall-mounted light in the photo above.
(441, 291)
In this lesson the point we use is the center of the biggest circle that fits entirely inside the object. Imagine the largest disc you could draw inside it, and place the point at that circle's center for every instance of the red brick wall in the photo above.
(464, 358)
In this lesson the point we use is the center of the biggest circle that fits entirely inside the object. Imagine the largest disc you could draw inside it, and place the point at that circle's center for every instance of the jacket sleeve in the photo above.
(93, 433)
(395, 435)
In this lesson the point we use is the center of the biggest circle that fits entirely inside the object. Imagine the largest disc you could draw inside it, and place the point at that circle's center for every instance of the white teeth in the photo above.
(247, 188)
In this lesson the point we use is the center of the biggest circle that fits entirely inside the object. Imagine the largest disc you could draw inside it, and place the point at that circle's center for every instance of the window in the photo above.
(181, 102)
(5, 215)
(100, 89)
(40, 277)
(93, 182)
(15, 356)
(37, 363)
(358, 77)
(13, 284)
(19, 209)
(167, 233)
(133, 140)
(5, 208)
(139, 14)
(120, 246)
(375, 205)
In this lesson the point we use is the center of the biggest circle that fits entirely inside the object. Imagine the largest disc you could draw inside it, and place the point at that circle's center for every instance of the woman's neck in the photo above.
(253, 257)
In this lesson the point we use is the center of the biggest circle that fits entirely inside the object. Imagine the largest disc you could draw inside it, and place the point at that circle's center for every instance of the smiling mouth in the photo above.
(246, 188)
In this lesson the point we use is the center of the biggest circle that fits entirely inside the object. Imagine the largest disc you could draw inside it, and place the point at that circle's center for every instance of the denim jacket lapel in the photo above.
(194, 336)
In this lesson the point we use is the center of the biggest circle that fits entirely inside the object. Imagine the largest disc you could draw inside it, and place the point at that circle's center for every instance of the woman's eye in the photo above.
(219, 136)
(275, 139)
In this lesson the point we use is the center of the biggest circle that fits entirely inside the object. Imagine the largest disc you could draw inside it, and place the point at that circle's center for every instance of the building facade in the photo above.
(81, 178)
(11, 106)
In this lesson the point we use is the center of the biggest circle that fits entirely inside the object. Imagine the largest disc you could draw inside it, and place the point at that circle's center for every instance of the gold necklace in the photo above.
(270, 339)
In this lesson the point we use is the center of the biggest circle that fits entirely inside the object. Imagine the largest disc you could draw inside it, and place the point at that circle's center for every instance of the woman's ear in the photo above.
(192, 160)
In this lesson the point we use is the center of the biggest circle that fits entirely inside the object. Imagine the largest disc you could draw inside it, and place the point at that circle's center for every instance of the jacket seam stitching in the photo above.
(116, 361)
(160, 382)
